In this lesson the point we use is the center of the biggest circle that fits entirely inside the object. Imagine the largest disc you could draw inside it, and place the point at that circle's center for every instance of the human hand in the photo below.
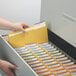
(7, 67)
(19, 27)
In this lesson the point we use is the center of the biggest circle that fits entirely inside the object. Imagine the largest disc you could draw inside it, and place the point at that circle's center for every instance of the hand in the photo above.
(7, 67)
(19, 27)
(7, 25)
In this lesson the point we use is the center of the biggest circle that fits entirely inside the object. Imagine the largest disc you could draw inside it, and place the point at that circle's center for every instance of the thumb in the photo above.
(22, 29)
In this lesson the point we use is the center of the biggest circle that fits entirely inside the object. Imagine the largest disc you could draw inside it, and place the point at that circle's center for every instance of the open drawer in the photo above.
(8, 53)
(25, 67)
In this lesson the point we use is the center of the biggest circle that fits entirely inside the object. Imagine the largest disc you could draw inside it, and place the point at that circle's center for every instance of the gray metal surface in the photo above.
(2, 73)
(8, 53)
(60, 16)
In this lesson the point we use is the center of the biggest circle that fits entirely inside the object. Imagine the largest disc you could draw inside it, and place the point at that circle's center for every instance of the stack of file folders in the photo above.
(41, 55)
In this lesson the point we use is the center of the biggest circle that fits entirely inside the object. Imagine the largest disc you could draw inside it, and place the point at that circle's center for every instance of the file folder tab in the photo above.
(34, 34)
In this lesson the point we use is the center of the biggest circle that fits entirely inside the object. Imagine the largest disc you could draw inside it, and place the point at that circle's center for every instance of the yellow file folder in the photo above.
(34, 34)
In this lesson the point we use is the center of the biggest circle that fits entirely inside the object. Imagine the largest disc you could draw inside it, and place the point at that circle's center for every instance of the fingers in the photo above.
(20, 26)
(13, 67)
(10, 73)
(8, 68)
(22, 29)
(11, 70)
(25, 26)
